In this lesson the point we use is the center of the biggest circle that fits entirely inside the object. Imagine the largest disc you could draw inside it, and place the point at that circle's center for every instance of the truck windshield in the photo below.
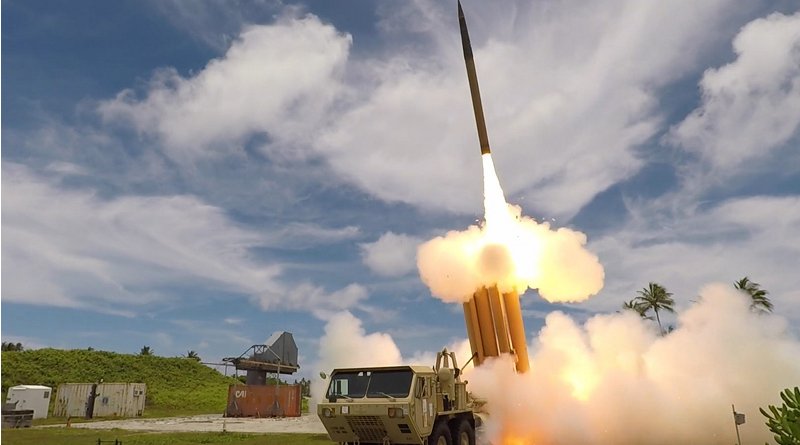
(357, 384)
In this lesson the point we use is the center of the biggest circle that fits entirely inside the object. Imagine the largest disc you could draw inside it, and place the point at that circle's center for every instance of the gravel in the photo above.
(307, 423)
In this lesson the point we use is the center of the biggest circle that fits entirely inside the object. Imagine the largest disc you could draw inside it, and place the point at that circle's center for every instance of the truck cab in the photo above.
(399, 405)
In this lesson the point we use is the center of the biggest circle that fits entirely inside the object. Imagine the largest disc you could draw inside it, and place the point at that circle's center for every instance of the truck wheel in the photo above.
(440, 435)
(464, 434)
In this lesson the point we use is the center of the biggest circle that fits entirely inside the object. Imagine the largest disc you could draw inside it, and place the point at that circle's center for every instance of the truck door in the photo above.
(425, 408)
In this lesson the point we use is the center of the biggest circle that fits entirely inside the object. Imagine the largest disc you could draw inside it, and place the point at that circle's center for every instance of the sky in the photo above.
(198, 175)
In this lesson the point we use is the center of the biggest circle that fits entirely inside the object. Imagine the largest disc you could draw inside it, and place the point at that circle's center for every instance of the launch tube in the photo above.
(516, 328)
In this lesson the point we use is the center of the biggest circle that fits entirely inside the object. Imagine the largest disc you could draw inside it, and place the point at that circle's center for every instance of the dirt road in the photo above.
(308, 423)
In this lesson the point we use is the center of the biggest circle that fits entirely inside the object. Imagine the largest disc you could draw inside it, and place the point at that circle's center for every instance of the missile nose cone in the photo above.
(472, 77)
(465, 43)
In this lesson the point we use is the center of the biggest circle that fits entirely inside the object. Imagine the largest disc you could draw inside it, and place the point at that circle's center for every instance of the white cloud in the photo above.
(565, 110)
(758, 237)
(301, 235)
(317, 300)
(392, 255)
(751, 106)
(277, 80)
(72, 248)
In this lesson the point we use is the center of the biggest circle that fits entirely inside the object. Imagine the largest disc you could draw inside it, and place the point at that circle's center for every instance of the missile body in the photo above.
(474, 91)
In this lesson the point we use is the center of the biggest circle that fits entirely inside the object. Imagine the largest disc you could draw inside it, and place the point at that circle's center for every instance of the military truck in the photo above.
(400, 405)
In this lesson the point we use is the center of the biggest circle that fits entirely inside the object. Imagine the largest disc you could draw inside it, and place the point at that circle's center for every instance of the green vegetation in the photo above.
(656, 298)
(759, 300)
(175, 386)
(78, 436)
(8, 346)
(784, 421)
(636, 307)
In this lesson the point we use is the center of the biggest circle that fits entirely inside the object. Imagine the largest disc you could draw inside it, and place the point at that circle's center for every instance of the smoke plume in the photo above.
(512, 251)
(346, 344)
(614, 380)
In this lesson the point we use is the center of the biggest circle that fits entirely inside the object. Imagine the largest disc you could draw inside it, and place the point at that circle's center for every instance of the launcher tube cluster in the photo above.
(495, 326)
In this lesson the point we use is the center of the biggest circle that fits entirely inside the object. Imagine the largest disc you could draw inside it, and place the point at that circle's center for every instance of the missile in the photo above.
(472, 77)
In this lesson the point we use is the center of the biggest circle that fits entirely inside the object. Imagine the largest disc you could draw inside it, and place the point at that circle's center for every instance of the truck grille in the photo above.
(367, 428)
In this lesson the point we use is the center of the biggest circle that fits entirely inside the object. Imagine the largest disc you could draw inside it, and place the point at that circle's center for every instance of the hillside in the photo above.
(173, 384)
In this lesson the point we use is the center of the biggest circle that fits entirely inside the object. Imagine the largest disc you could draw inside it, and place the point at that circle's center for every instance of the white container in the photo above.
(33, 397)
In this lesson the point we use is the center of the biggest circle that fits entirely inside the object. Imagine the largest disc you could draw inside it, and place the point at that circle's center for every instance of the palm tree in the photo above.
(759, 301)
(655, 297)
(193, 355)
(146, 350)
(637, 307)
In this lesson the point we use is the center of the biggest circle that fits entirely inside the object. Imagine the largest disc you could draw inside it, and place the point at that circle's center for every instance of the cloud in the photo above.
(392, 255)
(751, 106)
(276, 80)
(755, 236)
(400, 127)
(558, 139)
(316, 299)
(71, 248)
(214, 22)
(302, 235)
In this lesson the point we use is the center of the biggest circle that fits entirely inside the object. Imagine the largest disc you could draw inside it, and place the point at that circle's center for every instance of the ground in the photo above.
(307, 423)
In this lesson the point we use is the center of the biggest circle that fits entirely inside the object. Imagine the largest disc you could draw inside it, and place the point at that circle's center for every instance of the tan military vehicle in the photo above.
(400, 405)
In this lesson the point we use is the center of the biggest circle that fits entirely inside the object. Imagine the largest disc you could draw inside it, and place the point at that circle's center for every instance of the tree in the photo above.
(759, 302)
(656, 298)
(784, 421)
(637, 307)
(192, 354)
(146, 350)
(9, 346)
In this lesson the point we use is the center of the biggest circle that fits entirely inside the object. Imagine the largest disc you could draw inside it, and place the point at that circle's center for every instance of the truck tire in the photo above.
(440, 435)
(464, 434)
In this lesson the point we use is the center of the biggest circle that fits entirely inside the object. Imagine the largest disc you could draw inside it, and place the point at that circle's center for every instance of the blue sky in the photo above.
(197, 175)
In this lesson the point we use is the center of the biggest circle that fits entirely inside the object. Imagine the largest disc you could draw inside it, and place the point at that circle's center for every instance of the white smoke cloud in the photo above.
(392, 255)
(346, 343)
(615, 381)
(511, 251)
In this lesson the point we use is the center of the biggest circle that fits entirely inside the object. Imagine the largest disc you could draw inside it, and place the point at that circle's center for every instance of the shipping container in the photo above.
(72, 400)
(264, 401)
(30, 397)
(119, 400)
(100, 400)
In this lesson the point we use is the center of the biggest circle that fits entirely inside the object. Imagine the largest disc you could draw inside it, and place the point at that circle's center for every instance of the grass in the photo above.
(175, 386)
(79, 436)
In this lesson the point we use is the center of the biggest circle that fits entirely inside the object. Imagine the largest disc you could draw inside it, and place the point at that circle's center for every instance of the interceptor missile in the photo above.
(474, 91)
